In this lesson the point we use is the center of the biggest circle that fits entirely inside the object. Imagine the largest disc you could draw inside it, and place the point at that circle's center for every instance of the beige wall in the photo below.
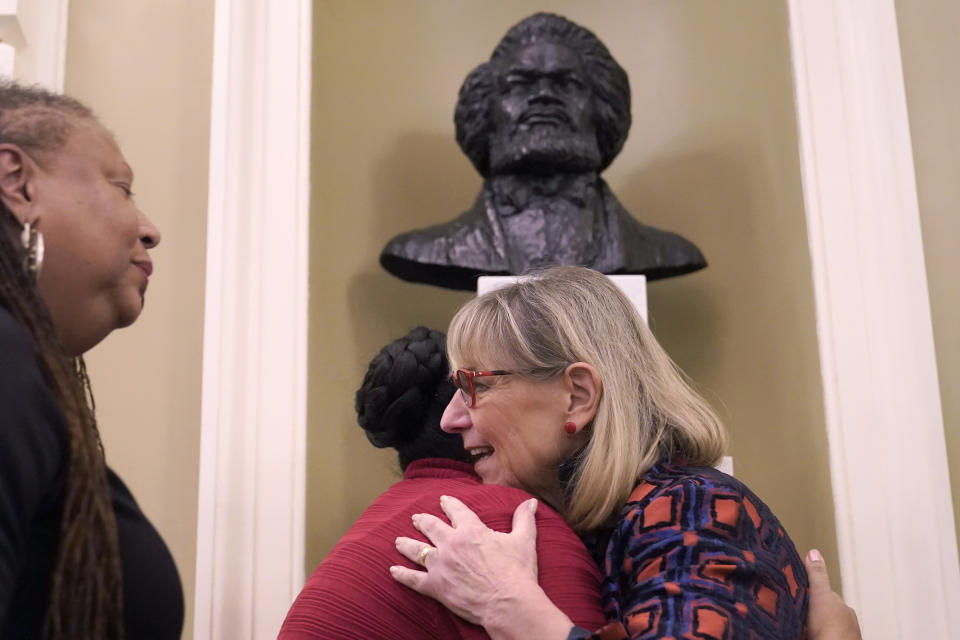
(145, 68)
(712, 154)
(930, 48)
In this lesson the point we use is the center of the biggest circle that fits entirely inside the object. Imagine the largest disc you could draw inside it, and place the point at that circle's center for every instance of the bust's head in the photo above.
(551, 99)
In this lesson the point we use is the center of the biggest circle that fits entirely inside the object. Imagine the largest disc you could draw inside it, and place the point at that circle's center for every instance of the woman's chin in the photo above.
(482, 469)
(130, 311)
(489, 471)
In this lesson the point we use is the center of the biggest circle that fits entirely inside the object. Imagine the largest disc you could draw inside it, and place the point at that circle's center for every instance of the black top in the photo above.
(34, 448)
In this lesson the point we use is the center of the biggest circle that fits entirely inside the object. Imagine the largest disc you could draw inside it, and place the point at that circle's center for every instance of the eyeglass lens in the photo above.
(465, 386)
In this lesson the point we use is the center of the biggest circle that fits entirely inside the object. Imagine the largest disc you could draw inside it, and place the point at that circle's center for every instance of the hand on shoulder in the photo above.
(484, 576)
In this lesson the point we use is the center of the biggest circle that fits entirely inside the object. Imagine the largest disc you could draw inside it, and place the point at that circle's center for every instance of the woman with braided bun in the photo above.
(351, 594)
(78, 559)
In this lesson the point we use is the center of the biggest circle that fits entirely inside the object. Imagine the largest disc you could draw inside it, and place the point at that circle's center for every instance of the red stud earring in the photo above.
(570, 428)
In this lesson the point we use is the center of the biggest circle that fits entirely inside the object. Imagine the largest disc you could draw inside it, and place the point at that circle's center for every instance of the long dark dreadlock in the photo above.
(86, 584)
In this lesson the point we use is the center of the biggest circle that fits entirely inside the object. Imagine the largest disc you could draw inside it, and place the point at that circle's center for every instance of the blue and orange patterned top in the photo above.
(695, 554)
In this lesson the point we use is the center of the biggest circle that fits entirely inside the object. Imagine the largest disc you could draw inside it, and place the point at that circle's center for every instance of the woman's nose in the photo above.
(455, 417)
(149, 233)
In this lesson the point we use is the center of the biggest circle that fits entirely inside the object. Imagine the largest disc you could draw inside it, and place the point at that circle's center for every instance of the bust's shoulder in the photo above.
(451, 254)
(641, 248)
(439, 238)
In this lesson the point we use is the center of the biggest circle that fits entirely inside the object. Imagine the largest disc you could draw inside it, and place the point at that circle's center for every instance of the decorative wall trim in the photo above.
(250, 538)
(37, 31)
(898, 552)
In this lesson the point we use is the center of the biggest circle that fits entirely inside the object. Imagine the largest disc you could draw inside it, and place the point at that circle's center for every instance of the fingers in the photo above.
(817, 572)
(829, 617)
(412, 578)
(460, 514)
(436, 530)
(525, 520)
(413, 550)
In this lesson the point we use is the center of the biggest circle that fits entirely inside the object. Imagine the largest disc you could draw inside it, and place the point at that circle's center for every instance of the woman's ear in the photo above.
(16, 171)
(585, 388)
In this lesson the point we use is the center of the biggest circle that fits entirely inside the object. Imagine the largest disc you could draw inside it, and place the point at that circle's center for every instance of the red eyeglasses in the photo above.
(463, 380)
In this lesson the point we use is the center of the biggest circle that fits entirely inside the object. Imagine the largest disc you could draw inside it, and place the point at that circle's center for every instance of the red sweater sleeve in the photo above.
(567, 573)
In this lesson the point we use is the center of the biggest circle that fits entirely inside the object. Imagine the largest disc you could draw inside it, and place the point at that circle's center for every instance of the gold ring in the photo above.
(422, 558)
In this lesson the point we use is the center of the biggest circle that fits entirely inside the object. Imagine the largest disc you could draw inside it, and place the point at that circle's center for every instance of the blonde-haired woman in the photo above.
(564, 392)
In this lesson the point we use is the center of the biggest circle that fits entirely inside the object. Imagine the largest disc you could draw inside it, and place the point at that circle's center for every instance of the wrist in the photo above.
(525, 612)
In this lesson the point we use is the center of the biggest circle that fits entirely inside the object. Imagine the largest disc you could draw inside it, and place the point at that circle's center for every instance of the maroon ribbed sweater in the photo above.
(352, 595)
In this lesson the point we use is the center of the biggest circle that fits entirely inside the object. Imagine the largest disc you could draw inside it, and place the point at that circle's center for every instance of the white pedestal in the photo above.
(7, 55)
(633, 286)
(726, 465)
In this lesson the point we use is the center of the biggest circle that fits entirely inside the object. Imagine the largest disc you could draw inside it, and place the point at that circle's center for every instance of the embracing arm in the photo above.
(484, 576)
(700, 556)
(829, 618)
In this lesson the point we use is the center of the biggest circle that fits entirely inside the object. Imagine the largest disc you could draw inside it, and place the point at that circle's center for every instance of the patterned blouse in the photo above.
(695, 554)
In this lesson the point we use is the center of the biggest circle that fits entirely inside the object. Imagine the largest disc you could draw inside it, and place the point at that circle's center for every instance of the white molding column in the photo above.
(894, 516)
(250, 537)
(34, 41)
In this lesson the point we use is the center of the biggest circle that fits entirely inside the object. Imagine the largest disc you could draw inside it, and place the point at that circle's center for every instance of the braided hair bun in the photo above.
(403, 395)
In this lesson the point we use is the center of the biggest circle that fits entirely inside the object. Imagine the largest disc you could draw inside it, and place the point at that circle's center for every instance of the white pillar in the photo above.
(34, 35)
(894, 516)
(7, 57)
(250, 529)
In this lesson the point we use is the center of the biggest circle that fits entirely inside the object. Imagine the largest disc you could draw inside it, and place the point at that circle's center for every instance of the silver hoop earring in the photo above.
(32, 242)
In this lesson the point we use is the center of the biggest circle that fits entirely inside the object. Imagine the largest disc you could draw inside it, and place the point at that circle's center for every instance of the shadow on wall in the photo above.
(736, 314)
(704, 196)
(742, 328)
(423, 180)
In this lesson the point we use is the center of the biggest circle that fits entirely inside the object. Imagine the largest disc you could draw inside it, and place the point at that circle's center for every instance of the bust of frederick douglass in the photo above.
(540, 121)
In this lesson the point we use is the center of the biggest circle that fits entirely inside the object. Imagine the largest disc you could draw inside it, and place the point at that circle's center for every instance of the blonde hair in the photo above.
(647, 411)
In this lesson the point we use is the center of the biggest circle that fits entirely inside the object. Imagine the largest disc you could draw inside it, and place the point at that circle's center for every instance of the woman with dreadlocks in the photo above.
(78, 559)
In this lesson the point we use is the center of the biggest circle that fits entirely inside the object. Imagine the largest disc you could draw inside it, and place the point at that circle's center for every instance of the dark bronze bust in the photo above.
(540, 121)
